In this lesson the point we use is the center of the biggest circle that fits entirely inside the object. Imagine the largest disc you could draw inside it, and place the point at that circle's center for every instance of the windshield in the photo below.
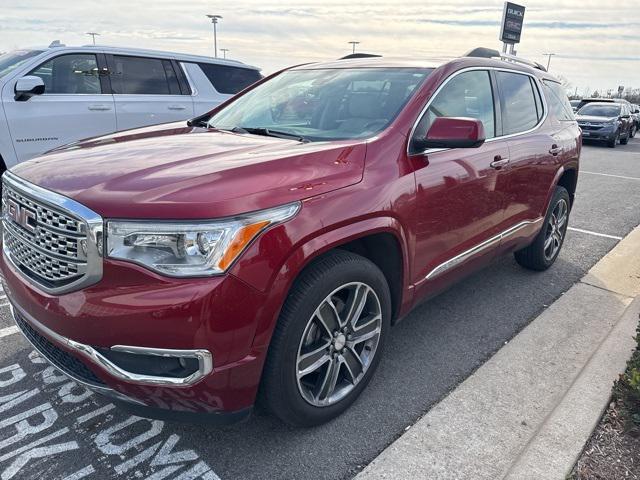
(600, 110)
(14, 59)
(323, 104)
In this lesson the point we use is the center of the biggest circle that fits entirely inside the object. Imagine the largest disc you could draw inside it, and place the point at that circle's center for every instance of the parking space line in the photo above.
(5, 332)
(610, 175)
(589, 232)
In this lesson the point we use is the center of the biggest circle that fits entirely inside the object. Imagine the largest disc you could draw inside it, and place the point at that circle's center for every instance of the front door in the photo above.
(73, 106)
(459, 192)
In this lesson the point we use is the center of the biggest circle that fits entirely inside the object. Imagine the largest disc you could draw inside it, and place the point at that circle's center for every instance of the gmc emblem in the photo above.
(24, 217)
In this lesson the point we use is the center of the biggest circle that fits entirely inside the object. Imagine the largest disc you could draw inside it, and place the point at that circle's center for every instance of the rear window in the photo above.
(558, 101)
(228, 79)
(518, 102)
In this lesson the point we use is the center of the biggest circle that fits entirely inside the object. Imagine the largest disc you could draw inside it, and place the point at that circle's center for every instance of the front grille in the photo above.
(60, 359)
(591, 127)
(47, 243)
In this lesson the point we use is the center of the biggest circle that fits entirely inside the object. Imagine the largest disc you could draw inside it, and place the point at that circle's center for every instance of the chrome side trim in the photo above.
(493, 139)
(205, 359)
(467, 254)
(92, 223)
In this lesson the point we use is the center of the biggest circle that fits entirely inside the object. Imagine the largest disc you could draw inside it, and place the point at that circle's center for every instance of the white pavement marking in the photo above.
(610, 175)
(5, 332)
(589, 232)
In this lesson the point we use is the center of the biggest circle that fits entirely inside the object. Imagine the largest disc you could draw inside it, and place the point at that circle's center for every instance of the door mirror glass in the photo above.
(454, 132)
(28, 86)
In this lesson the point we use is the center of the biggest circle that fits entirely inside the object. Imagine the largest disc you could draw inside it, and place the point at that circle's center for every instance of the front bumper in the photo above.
(211, 320)
(602, 134)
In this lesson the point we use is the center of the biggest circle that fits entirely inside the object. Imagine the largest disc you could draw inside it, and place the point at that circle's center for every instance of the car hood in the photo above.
(173, 171)
(591, 118)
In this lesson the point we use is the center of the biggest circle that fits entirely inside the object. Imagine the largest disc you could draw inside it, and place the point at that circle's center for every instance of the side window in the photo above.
(143, 76)
(519, 111)
(227, 79)
(69, 74)
(468, 94)
(558, 101)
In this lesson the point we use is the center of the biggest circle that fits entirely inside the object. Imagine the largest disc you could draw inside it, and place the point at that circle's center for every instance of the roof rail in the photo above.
(482, 52)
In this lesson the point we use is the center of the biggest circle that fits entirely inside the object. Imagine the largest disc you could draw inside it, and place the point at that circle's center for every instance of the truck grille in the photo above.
(48, 244)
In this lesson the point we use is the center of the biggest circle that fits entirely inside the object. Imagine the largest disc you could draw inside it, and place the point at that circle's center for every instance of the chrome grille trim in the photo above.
(62, 251)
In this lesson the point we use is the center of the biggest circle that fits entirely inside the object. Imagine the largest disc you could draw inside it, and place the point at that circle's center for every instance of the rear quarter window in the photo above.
(558, 101)
(229, 79)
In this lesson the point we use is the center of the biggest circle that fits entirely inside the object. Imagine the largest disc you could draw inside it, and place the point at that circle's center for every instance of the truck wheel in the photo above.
(328, 340)
(544, 250)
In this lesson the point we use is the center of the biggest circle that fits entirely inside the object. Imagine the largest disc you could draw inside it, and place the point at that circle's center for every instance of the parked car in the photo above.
(57, 95)
(635, 114)
(606, 122)
(265, 249)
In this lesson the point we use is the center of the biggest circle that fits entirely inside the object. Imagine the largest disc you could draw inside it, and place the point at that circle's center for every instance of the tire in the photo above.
(613, 142)
(625, 140)
(633, 131)
(538, 256)
(289, 393)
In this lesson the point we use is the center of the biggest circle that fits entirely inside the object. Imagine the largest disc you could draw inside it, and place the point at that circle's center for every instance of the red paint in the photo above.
(435, 206)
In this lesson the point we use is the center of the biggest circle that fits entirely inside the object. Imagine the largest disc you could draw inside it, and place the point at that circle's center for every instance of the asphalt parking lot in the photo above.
(50, 428)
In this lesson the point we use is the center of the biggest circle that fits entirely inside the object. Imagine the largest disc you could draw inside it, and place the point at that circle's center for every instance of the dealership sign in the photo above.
(512, 20)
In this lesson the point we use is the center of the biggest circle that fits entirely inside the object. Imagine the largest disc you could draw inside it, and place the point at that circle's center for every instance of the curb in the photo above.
(529, 410)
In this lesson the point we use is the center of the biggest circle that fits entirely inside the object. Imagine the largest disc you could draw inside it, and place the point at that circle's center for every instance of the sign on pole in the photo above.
(512, 20)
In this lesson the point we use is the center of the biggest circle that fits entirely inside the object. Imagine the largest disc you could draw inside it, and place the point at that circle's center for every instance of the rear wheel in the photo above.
(328, 340)
(544, 250)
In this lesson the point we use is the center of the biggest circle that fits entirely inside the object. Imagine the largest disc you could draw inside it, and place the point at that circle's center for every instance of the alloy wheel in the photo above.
(556, 228)
(338, 344)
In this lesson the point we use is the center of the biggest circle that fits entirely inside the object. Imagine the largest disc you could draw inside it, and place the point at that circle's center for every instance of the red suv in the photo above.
(265, 250)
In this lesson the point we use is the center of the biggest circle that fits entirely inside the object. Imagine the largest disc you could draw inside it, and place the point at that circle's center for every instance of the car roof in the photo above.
(182, 57)
(459, 63)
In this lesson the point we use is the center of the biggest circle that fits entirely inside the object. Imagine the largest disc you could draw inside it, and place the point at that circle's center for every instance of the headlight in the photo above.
(190, 249)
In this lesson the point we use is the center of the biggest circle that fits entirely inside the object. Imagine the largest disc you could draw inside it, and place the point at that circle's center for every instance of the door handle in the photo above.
(555, 150)
(499, 162)
(176, 107)
(99, 107)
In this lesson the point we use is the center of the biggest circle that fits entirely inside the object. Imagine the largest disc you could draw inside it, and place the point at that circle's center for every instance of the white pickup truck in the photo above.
(57, 95)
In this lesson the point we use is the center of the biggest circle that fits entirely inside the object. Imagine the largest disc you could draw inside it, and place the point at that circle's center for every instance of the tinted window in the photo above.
(76, 73)
(558, 101)
(143, 76)
(323, 104)
(600, 110)
(468, 94)
(518, 103)
(226, 79)
(12, 60)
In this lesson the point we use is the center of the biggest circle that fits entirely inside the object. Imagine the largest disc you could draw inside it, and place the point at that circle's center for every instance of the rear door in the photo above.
(536, 149)
(76, 104)
(146, 92)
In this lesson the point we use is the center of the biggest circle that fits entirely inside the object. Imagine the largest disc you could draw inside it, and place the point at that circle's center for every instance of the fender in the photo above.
(304, 253)
(556, 179)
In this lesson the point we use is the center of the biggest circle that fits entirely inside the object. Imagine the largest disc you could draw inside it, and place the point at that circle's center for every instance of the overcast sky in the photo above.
(598, 46)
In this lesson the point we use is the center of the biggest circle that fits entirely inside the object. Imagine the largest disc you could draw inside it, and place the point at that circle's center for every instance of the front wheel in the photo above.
(328, 340)
(633, 131)
(614, 141)
(544, 250)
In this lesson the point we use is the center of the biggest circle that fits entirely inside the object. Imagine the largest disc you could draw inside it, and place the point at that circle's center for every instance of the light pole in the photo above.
(214, 20)
(549, 55)
(354, 45)
(224, 52)
(93, 36)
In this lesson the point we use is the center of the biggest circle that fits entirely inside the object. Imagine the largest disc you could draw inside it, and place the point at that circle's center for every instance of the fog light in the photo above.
(152, 365)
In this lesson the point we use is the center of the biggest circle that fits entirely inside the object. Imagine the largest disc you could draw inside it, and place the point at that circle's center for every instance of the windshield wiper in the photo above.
(267, 132)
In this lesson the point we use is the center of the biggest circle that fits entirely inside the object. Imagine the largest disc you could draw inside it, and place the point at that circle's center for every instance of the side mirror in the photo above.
(453, 132)
(27, 87)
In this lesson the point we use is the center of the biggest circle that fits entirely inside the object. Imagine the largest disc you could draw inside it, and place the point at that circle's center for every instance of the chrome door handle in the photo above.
(555, 150)
(99, 108)
(176, 107)
(499, 162)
